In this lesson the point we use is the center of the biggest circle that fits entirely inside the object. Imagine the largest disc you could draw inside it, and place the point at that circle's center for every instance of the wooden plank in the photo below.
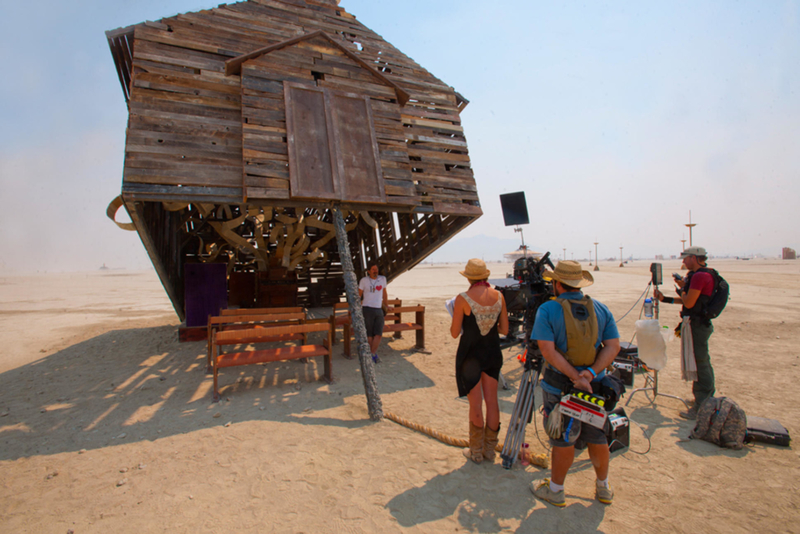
(228, 102)
(151, 103)
(429, 154)
(160, 53)
(256, 154)
(154, 177)
(457, 209)
(233, 359)
(262, 182)
(277, 194)
(273, 170)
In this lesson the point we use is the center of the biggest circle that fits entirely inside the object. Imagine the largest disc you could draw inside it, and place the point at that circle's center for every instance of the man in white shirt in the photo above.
(372, 290)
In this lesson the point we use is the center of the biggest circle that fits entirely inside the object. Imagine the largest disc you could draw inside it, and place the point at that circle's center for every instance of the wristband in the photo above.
(592, 371)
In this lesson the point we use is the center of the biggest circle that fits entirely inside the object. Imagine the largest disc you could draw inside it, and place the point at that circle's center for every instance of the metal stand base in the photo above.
(515, 435)
(651, 384)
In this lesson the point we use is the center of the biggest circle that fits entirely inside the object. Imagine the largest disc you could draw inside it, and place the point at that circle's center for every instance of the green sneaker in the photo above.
(604, 495)
(543, 492)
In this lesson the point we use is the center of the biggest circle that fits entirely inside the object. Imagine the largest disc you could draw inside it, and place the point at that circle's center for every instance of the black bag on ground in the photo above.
(763, 430)
(722, 422)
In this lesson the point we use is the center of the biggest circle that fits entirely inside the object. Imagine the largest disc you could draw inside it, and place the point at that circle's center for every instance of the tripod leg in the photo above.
(507, 454)
(503, 382)
(519, 419)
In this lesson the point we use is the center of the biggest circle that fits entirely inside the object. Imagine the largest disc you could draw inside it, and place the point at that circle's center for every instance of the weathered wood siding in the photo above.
(196, 134)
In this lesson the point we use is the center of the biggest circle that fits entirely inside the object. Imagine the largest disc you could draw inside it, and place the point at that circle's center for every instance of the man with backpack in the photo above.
(578, 338)
(699, 293)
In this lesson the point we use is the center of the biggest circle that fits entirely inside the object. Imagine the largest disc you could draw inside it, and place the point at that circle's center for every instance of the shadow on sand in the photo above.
(142, 384)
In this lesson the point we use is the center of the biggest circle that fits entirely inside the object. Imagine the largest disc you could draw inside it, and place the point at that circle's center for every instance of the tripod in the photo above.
(523, 409)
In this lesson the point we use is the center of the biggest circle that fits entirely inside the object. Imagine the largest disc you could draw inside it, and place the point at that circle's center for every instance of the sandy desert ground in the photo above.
(107, 424)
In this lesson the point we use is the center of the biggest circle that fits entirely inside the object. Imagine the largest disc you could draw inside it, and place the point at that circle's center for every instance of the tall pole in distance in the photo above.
(590, 258)
(683, 245)
(596, 261)
(690, 226)
(565, 253)
(620, 256)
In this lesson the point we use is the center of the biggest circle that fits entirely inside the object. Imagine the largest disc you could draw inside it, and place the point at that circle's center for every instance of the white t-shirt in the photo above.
(373, 291)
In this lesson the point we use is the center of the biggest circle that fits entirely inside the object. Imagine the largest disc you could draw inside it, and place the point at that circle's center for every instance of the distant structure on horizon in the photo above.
(789, 254)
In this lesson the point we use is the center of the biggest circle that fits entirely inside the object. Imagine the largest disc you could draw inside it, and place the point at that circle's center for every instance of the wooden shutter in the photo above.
(355, 144)
(333, 151)
(310, 165)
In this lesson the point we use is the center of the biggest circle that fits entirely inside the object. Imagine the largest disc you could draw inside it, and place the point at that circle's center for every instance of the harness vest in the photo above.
(581, 322)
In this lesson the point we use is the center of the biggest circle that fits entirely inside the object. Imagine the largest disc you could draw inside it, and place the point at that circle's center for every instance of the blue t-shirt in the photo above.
(549, 326)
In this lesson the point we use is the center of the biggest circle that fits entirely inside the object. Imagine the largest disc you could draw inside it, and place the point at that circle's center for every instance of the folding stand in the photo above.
(651, 384)
(521, 414)
(651, 381)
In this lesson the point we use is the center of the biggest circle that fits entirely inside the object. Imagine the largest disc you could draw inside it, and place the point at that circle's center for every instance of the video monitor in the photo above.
(515, 209)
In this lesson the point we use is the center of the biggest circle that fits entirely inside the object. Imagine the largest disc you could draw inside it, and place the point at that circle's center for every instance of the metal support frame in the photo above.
(521, 414)
(651, 380)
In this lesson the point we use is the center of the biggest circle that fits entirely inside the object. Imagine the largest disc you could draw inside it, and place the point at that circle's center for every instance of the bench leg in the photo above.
(328, 376)
(346, 341)
(421, 332)
(215, 397)
(208, 352)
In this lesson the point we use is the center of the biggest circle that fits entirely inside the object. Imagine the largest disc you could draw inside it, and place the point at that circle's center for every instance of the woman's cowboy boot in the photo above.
(475, 450)
(490, 441)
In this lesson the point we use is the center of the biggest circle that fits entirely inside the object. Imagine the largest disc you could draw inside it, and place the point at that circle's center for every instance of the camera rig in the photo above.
(523, 293)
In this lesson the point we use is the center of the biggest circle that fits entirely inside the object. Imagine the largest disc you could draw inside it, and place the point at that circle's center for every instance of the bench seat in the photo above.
(418, 325)
(232, 359)
(269, 333)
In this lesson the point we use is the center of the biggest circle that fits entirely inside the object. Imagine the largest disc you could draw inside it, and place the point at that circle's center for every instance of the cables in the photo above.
(646, 290)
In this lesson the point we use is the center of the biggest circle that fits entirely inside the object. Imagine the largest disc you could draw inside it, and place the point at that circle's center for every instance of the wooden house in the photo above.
(249, 121)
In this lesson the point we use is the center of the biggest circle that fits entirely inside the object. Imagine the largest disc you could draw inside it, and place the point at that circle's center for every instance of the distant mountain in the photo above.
(488, 248)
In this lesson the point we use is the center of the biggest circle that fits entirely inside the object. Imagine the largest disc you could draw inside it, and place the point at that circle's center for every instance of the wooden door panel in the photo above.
(359, 172)
(311, 172)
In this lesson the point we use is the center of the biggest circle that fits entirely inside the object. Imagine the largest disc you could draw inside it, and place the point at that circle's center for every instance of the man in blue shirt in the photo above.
(577, 350)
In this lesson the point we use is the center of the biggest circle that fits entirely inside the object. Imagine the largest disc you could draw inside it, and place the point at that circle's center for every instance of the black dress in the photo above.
(477, 353)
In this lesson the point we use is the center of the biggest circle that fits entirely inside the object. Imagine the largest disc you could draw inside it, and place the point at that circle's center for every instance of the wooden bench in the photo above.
(341, 316)
(263, 334)
(418, 325)
(261, 311)
(242, 322)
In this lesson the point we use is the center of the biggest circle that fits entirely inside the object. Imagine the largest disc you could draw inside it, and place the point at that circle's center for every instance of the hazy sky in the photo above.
(614, 118)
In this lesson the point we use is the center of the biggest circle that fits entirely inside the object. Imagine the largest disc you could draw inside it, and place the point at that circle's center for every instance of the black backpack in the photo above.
(719, 296)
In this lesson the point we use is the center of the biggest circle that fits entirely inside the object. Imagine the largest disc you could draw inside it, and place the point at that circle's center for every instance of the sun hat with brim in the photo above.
(475, 270)
(569, 272)
(693, 251)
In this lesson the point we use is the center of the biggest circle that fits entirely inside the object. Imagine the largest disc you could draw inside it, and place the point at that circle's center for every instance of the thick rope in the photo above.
(539, 460)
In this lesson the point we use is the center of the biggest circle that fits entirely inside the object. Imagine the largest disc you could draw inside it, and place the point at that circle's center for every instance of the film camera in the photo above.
(524, 292)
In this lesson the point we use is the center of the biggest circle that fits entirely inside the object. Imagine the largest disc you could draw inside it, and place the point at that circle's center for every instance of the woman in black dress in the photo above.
(479, 317)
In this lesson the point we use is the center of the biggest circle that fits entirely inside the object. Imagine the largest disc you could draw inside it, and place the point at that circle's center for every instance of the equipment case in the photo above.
(765, 430)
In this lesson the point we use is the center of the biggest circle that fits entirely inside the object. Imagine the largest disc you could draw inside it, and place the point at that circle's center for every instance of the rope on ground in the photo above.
(539, 460)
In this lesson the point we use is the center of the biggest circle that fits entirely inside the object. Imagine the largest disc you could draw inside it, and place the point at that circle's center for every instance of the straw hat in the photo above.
(570, 273)
(475, 270)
